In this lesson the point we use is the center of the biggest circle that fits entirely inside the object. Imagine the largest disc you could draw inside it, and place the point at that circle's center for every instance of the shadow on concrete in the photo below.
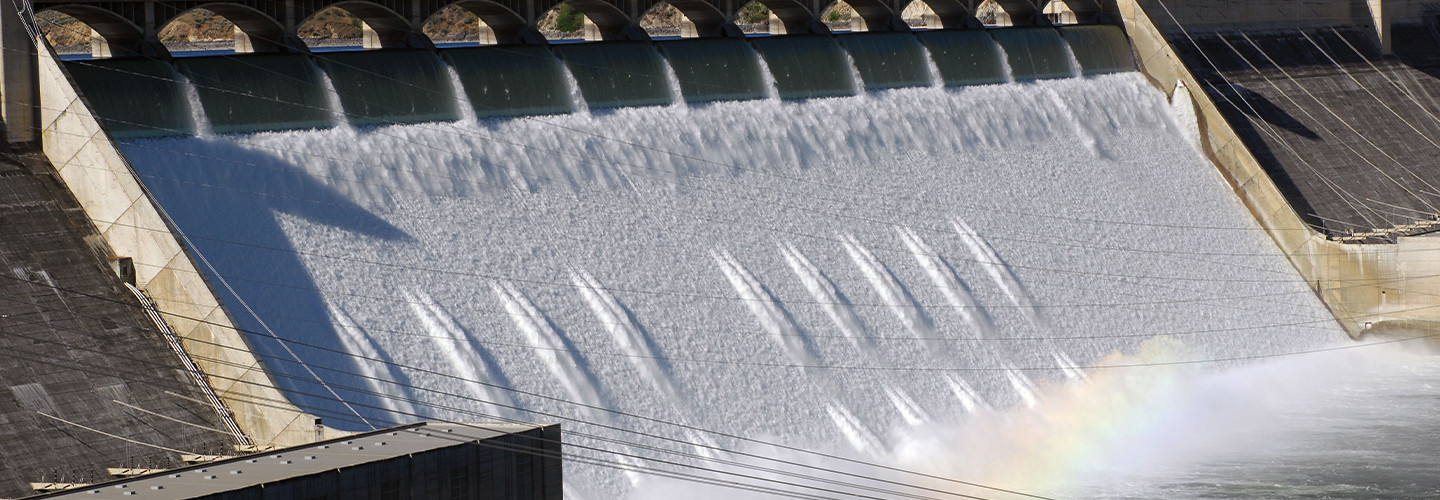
(226, 200)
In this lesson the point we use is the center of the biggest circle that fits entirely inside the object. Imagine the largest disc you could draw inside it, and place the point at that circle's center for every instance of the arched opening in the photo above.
(663, 21)
(589, 20)
(919, 15)
(358, 25)
(1059, 12)
(861, 15)
(224, 26)
(198, 30)
(108, 34)
(782, 17)
(482, 22)
(990, 13)
(332, 28)
(564, 23)
(841, 17)
(70, 37)
(755, 18)
(704, 19)
(456, 25)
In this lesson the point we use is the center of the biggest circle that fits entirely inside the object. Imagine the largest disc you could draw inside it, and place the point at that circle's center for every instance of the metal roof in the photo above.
(288, 463)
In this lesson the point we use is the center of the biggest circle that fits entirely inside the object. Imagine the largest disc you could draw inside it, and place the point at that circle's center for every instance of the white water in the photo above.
(577, 98)
(1005, 68)
(332, 98)
(677, 96)
(1076, 70)
(492, 222)
(931, 69)
(197, 110)
(463, 108)
(772, 88)
(857, 82)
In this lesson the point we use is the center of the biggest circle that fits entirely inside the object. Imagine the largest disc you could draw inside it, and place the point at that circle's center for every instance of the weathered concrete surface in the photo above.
(75, 346)
(122, 210)
(1365, 285)
(1348, 137)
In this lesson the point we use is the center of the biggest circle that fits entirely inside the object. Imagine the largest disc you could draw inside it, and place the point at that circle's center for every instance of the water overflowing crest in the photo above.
(877, 277)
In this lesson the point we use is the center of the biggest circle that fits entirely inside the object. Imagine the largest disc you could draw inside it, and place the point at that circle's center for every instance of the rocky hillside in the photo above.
(336, 26)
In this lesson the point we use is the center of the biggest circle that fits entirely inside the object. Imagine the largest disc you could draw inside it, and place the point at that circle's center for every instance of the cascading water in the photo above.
(857, 82)
(931, 69)
(332, 100)
(772, 89)
(198, 120)
(677, 96)
(1005, 63)
(795, 275)
(463, 108)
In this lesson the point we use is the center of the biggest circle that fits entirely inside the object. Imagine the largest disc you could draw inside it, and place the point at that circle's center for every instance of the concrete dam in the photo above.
(1062, 258)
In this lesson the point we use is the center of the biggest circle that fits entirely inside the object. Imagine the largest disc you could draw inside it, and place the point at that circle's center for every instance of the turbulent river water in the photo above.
(1024, 285)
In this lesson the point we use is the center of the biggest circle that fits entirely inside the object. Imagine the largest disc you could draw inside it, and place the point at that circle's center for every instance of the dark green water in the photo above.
(259, 92)
(134, 97)
(806, 66)
(616, 74)
(511, 81)
(964, 57)
(392, 86)
(1035, 53)
(888, 60)
(715, 69)
(1100, 49)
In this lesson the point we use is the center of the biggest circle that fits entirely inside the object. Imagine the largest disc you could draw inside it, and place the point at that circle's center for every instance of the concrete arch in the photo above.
(258, 31)
(611, 22)
(509, 26)
(1023, 12)
(121, 37)
(709, 21)
(385, 28)
(795, 17)
(952, 14)
(1086, 11)
(876, 15)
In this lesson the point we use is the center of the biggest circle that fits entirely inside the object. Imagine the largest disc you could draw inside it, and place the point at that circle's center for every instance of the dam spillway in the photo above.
(898, 257)
(270, 92)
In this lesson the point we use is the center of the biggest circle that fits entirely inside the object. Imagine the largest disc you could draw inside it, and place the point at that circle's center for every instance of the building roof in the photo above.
(83, 372)
(277, 465)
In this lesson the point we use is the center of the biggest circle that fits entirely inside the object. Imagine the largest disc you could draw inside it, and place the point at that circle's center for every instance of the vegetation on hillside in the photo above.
(568, 19)
(198, 25)
(452, 23)
(753, 13)
(333, 22)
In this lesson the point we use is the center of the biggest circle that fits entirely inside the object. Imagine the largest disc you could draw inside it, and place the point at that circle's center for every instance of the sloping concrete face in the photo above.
(122, 210)
(1367, 286)
(83, 371)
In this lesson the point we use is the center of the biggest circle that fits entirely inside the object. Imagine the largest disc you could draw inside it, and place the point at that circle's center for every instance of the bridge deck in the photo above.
(1350, 138)
(72, 343)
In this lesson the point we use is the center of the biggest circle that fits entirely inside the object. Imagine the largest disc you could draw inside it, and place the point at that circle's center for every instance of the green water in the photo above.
(964, 57)
(258, 92)
(510, 80)
(1100, 49)
(888, 60)
(715, 69)
(806, 66)
(615, 74)
(134, 97)
(391, 86)
(1035, 53)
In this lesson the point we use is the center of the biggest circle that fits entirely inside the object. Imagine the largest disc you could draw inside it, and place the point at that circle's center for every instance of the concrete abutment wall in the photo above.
(1367, 286)
(127, 216)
